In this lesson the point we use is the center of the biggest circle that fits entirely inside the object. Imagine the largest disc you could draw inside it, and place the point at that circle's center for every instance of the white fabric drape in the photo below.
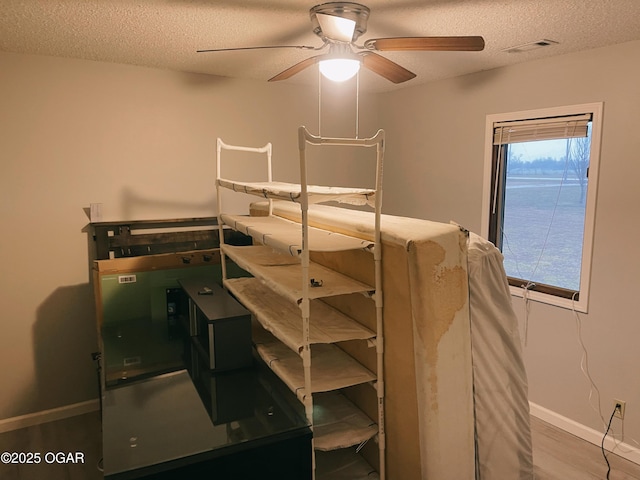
(503, 432)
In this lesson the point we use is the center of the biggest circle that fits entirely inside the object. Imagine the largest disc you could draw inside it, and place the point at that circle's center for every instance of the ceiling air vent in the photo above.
(530, 46)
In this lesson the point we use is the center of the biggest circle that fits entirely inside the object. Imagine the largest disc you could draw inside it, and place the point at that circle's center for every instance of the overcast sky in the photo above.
(529, 151)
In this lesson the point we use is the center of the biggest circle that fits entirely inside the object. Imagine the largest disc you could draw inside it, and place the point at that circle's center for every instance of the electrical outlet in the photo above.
(619, 409)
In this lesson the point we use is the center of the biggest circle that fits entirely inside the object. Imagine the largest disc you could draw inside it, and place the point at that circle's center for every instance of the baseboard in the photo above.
(621, 449)
(45, 416)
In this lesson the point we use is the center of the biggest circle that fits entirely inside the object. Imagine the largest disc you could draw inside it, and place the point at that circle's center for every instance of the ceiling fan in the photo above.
(340, 24)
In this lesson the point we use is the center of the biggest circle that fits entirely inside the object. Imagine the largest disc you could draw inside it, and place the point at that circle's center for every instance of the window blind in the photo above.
(554, 128)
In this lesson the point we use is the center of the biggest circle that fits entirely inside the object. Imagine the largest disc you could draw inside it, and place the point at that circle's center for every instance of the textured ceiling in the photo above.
(167, 33)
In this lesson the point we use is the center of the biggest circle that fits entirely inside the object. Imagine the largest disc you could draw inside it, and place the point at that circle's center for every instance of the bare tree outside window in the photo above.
(579, 162)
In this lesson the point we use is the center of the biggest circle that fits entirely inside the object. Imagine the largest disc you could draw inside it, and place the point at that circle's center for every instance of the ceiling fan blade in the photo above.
(336, 28)
(402, 44)
(297, 68)
(385, 67)
(301, 47)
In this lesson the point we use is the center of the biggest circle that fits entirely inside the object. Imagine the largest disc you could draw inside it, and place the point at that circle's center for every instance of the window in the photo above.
(541, 170)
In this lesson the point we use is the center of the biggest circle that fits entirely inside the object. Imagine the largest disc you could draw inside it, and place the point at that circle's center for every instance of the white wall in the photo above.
(140, 141)
(434, 170)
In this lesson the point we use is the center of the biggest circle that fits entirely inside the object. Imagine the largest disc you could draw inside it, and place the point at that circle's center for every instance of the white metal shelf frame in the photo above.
(305, 194)
(304, 138)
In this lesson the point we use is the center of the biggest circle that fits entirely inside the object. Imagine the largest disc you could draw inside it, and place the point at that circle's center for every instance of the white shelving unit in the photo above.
(298, 330)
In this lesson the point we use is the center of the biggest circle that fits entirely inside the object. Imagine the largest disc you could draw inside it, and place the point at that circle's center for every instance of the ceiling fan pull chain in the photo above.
(357, 103)
(319, 103)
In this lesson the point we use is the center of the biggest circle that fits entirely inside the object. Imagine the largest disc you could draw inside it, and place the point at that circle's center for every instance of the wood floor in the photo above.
(76, 434)
(557, 455)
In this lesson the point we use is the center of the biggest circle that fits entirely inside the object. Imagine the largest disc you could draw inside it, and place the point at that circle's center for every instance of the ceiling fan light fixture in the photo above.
(339, 24)
(339, 69)
(354, 12)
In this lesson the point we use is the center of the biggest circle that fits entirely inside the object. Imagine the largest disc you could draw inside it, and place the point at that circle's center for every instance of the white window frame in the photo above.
(596, 110)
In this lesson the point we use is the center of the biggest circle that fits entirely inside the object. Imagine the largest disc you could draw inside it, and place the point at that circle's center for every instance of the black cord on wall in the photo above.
(604, 454)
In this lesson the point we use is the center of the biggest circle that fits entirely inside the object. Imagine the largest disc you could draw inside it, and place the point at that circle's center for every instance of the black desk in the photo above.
(195, 423)
(159, 428)
(139, 348)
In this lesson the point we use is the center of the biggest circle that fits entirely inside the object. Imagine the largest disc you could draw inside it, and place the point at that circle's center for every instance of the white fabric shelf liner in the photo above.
(292, 192)
(343, 464)
(283, 273)
(331, 368)
(283, 319)
(396, 230)
(285, 235)
(338, 423)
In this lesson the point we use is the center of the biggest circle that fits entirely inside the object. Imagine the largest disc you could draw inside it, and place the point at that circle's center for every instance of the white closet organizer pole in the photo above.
(304, 304)
(377, 140)
(377, 258)
(219, 146)
(223, 258)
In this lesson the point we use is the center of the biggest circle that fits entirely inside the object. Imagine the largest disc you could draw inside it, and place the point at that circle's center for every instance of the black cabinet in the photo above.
(219, 325)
